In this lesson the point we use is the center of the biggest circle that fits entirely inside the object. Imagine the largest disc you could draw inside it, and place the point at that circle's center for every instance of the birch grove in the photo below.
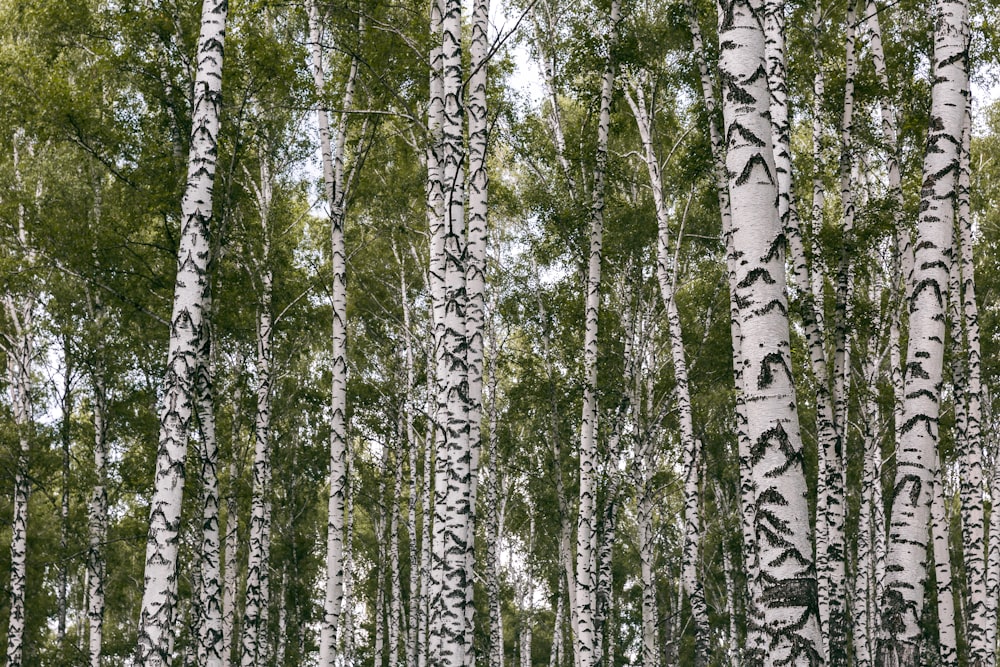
(552, 333)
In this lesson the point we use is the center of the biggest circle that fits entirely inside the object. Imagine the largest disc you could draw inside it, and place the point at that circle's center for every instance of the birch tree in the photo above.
(332, 158)
(906, 568)
(19, 346)
(586, 533)
(187, 336)
(787, 579)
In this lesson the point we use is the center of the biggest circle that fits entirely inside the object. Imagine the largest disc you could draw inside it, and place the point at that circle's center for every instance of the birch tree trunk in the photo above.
(980, 629)
(453, 472)
(902, 603)
(20, 350)
(864, 580)
(586, 536)
(495, 503)
(947, 637)
(332, 158)
(187, 335)
(755, 638)
(667, 278)
(232, 536)
(396, 626)
(253, 640)
(210, 646)
(787, 579)
(413, 646)
(97, 511)
(97, 508)
(66, 441)
(833, 577)
(475, 271)
(644, 527)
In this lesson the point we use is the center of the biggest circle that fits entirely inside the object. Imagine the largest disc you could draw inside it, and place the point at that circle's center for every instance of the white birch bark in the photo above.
(187, 335)
(644, 527)
(890, 141)
(232, 536)
(475, 272)
(667, 278)
(833, 576)
(256, 599)
(332, 158)
(586, 579)
(97, 511)
(495, 505)
(415, 606)
(947, 637)
(980, 628)
(210, 646)
(396, 625)
(864, 581)
(902, 603)
(453, 473)
(345, 629)
(755, 638)
(66, 441)
(786, 574)
(19, 345)
(97, 507)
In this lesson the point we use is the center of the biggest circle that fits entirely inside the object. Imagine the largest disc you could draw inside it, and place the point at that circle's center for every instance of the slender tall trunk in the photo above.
(543, 30)
(667, 278)
(556, 651)
(66, 441)
(97, 508)
(454, 460)
(232, 537)
(187, 335)
(256, 599)
(786, 575)
(495, 519)
(864, 580)
(345, 630)
(210, 646)
(97, 511)
(396, 626)
(755, 637)
(902, 603)
(980, 624)
(20, 350)
(832, 576)
(644, 527)
(475, 274)
(279, 652)
(947, 637)
(332, 158)
(586, 579)
(413, 646)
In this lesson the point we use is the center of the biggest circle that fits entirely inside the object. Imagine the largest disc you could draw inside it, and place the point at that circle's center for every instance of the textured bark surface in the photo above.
(475, 276)
(20, 350)
(210, 646)
(453, 465)
(254, 640)
(906, 568)
(586, 533)
(188, 329)
(947, 636)
(980, 627)
(666, 274)
(332, 158)
(786, 576)
(755, 648)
